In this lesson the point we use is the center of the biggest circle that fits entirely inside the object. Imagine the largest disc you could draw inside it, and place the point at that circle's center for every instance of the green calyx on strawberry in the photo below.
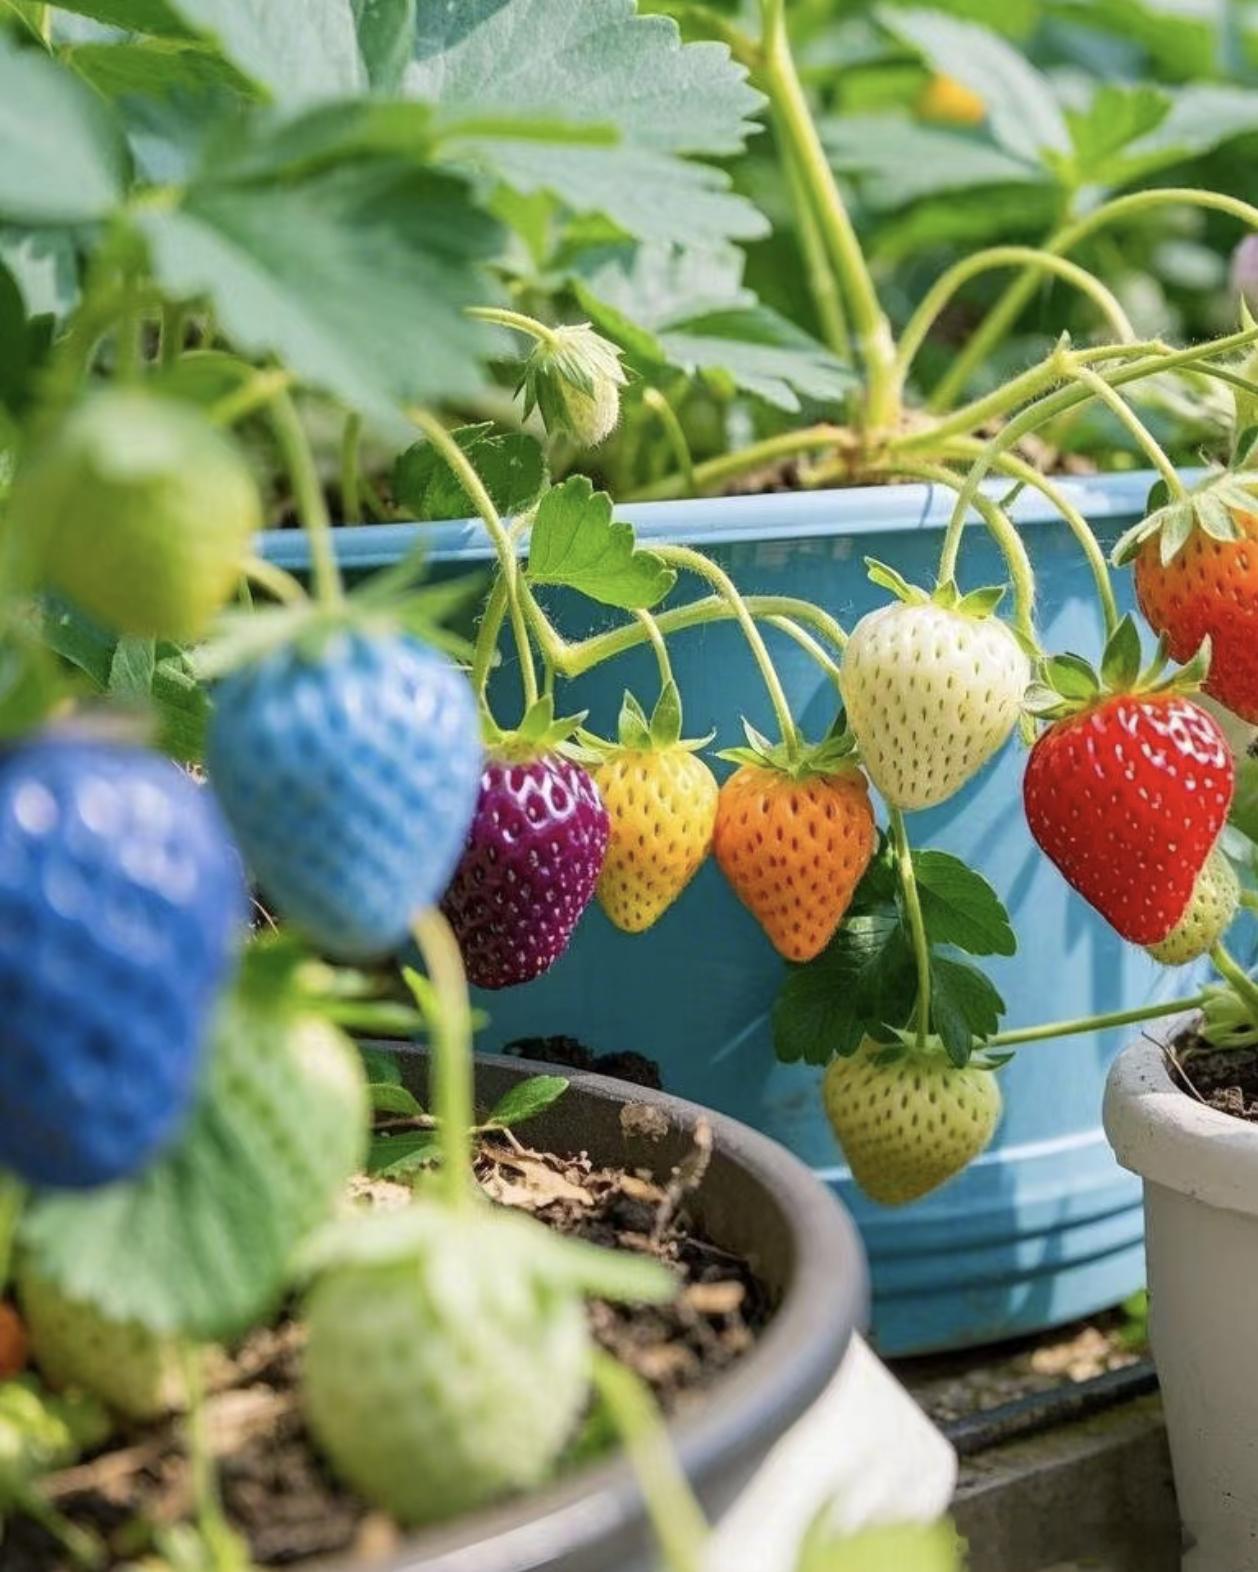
(1068, 685)
(1210, 507)
(540, 732)
(835, 752)
(908, 1118)
(638, 733)
(574, 377)
(933, 685)
(448, 1353)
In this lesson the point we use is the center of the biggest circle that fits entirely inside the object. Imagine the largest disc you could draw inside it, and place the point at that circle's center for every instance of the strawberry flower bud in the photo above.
(574, 378)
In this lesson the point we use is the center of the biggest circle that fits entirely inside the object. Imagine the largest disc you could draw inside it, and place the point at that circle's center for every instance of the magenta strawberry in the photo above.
(533, 857)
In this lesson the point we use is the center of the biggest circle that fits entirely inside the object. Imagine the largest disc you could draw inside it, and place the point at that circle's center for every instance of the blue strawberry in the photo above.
(350, 776)
(121, 900)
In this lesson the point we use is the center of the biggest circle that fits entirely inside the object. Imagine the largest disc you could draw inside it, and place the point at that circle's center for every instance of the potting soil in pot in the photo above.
(1222, 1078)
(276, 1490)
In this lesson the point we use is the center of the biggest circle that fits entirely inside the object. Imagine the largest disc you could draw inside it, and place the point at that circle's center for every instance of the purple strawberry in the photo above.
(533, 857)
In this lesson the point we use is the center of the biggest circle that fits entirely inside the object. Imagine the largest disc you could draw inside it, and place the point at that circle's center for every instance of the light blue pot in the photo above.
(1045, 1227)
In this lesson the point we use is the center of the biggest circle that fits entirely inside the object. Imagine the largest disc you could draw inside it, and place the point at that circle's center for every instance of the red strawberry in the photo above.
(533, 857)
(1127, 797)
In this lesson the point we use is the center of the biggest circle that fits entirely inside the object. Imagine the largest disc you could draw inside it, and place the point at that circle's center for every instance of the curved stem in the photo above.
(514, 319)
(676, 1516)
(810, 645)
(1018, 469)
(1238, 979)
(1011, 545)
(780, 81)
(827, 302)
(697, 563)
(253, 394)
(667, 417)
(1095, 1023)
(312, 509)
(275, 581)
(450, 1062)
(224, 1549)
(1008, 308)
(351, 500)
(946, 286)
(917, 925)
(811, 439)
(465, 473)
(656, 640)
(1118, 406)
(492, 618)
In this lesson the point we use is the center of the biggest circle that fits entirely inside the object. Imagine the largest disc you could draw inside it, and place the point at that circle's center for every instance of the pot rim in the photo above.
(721, 521)
(762, 1396)
(1171, 1139)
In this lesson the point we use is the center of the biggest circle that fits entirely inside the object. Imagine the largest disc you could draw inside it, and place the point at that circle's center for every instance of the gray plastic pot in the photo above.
(756, 1200)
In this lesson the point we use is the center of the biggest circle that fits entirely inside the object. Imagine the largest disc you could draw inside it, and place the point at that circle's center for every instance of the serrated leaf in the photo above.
(964, 1006)
(1022, 109)
(295, 64)
(1115, 117)
(44, 265)
(576, 543)
(1120, 665)
(526, 1099)
(386, 36)
(511, 466)
(898, 162)
(355, 278)
(396, 1156)
(62, 158)
(137, 16)
(761, 353)
(125, 70)
(959, 907)
(861, 980)
(387, 1097)
(596, 65)
(131, 670)
(180, 705)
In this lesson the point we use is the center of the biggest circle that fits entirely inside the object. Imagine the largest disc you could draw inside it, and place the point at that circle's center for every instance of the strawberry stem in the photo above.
(351, 498)
(275, 581)
(312, 509)
(516, 320)
(677, 1518)
(713, 472)
(695, 562)
(508, 563)
(1119, 407)
(224, 1551)
(917, 925)
(664, 412)
(656, 640)
(1095, 1023)
(1241, 983)
(450, 1064)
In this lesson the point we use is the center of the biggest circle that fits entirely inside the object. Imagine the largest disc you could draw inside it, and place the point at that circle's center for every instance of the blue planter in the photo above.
(1045, 1227)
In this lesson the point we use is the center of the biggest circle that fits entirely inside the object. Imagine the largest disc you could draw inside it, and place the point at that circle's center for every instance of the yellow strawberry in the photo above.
(661, 800)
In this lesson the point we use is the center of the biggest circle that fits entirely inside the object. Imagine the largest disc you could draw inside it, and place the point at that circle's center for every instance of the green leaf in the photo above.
(762, 353)
(666, 716)
(396, 1156)
(656, 283)
(863, 979)
(386, 34)
(1120, 665)
(576, 543)
(380, 1068)
(1116, 116)
(355, 278)
(15, 360)
(389, 1098)
(1022, 109)
(62, 159)
(964, 1006)
(526, 1099)
(181, 706)
(44, 265)
(296, 62)
(136, 16)
(898, 162)
(154, 69)
(131, 670)
(511, 465)
(633, 730)
(1203, 116)
(959, 906)
(1072, 677)
(594, 65)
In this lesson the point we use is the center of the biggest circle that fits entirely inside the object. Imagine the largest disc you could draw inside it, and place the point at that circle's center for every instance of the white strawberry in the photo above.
(908, 1119)
(933, 688)
(1208, 916)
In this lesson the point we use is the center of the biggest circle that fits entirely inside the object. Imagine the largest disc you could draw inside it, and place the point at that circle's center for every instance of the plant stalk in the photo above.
(1095, 1023)
(450, 1061)
(664, 412)
(312, 508)
(917, 924)
(1237, 978)
(351, 497)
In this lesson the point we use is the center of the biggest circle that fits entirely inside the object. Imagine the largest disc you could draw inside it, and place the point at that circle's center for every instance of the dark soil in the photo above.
(276, 1491)
(570, 1054)
(1222, 1078)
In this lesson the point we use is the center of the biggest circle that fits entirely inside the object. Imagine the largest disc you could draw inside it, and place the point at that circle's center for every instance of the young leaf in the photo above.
(576, 543)
(131, 670)
(964, 1006)
(861, 980)
(397, 1156)
(593, 67)
(511, 467)
(899, 162)
(1072, 677)
(381, 1069)
(389, 1098)
(526, 1099)
(1116, 116)
(959, 907)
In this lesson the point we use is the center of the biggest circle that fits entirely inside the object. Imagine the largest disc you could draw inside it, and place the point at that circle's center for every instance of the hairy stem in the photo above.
(712, 472)
(1095, 1023)
(1119, 407)
(253, 394)
(275, 581)
(450, 1059)
(917, 925)
(312, 509)
(514, 319)
(658, 647)
(822, 285)
(675, 436)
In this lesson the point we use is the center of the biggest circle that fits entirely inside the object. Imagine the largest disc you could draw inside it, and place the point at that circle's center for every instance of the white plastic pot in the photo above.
(1200, 1172)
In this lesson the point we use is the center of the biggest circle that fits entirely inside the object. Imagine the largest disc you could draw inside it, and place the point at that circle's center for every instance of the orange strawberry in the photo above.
(1196, 569)
(661, 800)
(794, 844)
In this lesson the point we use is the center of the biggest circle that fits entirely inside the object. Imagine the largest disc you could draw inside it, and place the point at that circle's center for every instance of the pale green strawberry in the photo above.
(901, 1547)
(133, 1371)
(908, 1120)
(933, 688)
(1208, 916)
(448, 1354)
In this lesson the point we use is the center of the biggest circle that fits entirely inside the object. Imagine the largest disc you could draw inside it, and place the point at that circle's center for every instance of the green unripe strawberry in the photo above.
(448, 1355)
(140, 511)
(1207, 917)
(136, 1373)
(574, 378)
(908, 1120)
(899, 1547)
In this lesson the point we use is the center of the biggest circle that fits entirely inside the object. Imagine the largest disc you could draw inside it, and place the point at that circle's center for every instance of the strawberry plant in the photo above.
(358, 268)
